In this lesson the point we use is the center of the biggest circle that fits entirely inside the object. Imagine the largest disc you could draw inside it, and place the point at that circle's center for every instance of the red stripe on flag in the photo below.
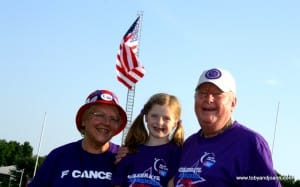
(128, 68)
(126, 74)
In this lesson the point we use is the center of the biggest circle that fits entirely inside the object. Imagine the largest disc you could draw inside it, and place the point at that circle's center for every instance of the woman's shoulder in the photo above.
(67, 148)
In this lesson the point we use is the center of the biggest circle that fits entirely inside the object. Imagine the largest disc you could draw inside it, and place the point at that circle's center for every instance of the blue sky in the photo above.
(54, 53)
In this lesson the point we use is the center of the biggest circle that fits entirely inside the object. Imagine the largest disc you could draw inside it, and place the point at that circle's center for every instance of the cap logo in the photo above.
(213, 74)
(103, 95)
(106, 97)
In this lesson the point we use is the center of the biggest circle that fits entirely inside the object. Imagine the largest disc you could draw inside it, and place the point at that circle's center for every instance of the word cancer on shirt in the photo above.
(88, 174)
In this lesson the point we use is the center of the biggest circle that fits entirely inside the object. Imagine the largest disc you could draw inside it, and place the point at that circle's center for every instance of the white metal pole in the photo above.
(22, 172)
(39, 146)
(275, 127)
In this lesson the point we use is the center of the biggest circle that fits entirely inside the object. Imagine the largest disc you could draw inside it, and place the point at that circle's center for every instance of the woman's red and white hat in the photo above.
(104, 97)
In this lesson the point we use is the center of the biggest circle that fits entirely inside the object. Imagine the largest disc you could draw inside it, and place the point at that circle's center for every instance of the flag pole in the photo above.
(275, 127)
(39, 146)
(139, 14)
(131, 91)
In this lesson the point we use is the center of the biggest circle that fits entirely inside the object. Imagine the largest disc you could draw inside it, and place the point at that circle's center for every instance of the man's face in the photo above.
(213, 107)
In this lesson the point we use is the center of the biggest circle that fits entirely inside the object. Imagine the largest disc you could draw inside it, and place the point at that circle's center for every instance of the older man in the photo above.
(223, 152)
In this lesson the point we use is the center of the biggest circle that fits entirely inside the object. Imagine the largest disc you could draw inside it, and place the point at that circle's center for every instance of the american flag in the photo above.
(129, 70)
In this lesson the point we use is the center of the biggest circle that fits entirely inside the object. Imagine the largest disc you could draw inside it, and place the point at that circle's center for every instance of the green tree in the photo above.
(288, 181)
(9, 151)
(19, 155)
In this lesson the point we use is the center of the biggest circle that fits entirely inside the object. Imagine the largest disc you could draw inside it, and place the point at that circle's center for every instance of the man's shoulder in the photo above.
(245, 130)
(246, 133)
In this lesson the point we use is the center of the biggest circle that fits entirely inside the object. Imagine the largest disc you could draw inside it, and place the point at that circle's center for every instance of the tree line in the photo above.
(21, 156)
(12, 153)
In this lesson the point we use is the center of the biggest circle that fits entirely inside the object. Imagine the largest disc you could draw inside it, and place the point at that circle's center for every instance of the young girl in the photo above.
(154, 152)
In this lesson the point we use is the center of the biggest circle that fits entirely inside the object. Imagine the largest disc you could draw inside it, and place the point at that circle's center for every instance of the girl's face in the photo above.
(161, 120)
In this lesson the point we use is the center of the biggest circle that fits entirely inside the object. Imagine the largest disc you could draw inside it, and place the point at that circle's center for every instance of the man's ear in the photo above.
(233, 103)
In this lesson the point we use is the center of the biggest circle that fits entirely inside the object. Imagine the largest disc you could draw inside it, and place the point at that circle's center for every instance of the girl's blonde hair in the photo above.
(138, 134)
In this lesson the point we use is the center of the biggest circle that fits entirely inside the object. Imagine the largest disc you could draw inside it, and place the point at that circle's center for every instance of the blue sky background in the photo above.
(54, 53)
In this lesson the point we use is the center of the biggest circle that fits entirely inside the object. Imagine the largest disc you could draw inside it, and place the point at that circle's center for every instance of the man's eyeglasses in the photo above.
(206, 94)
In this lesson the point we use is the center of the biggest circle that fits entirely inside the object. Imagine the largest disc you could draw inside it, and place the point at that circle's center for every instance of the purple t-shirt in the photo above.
(237, 157)
(150, 166)
(70, 165)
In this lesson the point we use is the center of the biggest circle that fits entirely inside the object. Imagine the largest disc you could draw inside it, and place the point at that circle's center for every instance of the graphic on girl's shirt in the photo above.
(160, 166)
(148, 177)
(189, 176)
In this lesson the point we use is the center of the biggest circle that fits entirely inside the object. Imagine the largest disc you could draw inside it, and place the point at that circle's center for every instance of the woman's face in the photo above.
(100, 123)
